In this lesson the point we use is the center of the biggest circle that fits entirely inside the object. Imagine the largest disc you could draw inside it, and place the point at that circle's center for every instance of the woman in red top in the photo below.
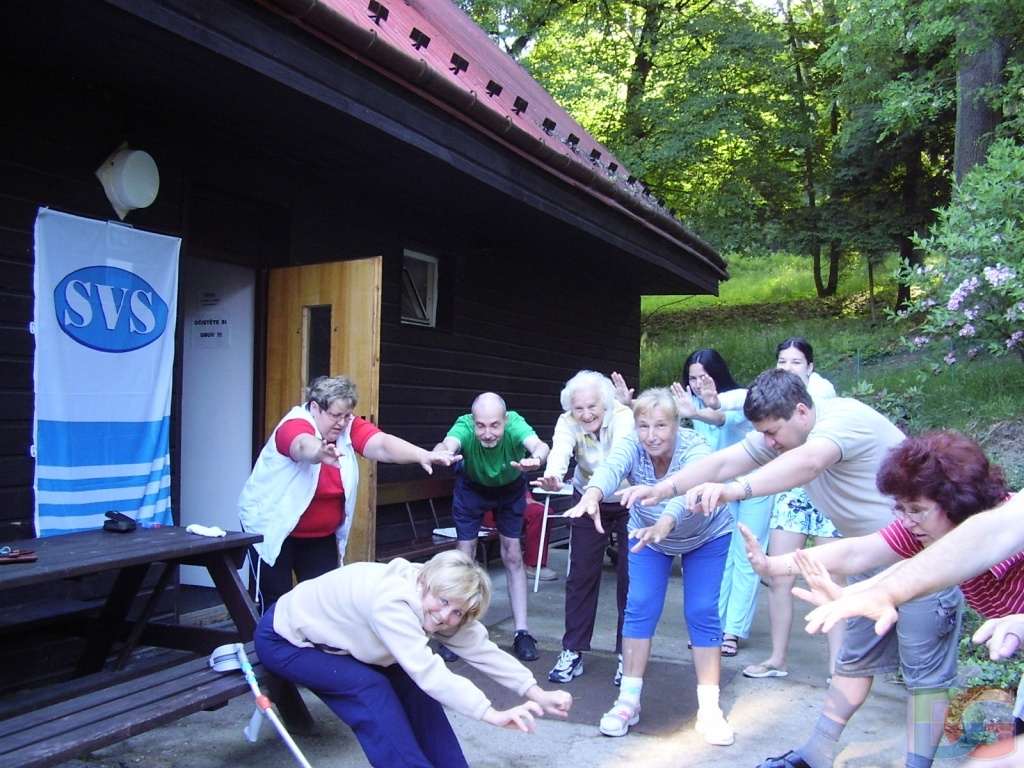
(937, 481)
(301, 493)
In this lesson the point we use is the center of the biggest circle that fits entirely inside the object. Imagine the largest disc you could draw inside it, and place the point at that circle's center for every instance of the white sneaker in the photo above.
(715, 730)
(616, 721)
(568, 666)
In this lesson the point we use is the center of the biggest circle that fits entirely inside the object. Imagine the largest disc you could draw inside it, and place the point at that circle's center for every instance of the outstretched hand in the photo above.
(440, 458)
(557, 703)
(705, 389)
(822, 589)
(1002, 636)
(529, 464)
(521, 717)
(623, 393)
(755, 553)
(329, 453)
(872, 603)
(548, 483)
(652, 534)
(645, 495)
(707, 497)
(587, 506)
(684, 400)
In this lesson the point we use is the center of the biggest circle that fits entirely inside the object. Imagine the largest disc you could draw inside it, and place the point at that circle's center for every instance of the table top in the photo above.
(84, 552)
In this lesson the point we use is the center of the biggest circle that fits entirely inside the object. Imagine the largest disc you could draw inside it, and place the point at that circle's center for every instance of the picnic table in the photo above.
(126, 704)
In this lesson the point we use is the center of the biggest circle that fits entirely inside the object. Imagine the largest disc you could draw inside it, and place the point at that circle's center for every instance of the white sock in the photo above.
(630, 689)
(707, 699)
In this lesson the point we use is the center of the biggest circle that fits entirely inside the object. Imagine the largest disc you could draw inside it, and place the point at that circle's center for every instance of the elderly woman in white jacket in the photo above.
(301, 494)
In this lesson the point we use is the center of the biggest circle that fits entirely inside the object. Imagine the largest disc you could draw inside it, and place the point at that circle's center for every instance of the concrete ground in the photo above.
(770, 716)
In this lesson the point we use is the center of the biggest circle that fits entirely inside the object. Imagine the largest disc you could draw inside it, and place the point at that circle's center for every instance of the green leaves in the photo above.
(970, 295)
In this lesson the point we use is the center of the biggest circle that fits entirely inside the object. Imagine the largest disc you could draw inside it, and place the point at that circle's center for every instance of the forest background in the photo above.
(858, 163)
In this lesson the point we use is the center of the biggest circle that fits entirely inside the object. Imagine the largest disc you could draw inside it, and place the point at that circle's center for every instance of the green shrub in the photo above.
(970, 294)
(976, 668)
(902, 407)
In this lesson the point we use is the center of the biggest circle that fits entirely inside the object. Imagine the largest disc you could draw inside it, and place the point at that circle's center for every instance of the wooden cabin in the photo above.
(364, 187)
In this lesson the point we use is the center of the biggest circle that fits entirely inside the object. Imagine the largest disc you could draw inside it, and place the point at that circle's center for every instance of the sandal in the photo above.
(764, 669)
(730, 646)
(617, 720)
(789, 760)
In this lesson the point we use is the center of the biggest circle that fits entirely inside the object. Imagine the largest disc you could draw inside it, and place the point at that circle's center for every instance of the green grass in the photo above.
(764, 280)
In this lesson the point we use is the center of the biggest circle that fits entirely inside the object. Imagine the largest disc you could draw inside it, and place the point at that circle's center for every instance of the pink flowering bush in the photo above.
(970, 295)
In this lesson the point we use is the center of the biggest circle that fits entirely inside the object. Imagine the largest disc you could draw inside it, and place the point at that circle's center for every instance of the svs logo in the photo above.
(109, 309)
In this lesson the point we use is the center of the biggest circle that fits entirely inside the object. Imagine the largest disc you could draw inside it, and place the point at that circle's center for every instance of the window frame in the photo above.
(424, 293)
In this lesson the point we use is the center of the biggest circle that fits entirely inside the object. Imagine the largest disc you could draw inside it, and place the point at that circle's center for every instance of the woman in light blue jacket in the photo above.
(713, 401)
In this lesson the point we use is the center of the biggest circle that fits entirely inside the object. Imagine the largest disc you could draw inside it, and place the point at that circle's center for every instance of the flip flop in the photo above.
(789, 760)
(730, 646)
(764, 670)
(8, 555)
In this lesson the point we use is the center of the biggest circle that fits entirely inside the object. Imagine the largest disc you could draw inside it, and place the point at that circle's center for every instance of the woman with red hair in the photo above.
(937, 480)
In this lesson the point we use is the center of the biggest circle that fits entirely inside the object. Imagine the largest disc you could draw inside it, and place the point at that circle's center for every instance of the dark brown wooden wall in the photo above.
(521, 335)
(525, 303)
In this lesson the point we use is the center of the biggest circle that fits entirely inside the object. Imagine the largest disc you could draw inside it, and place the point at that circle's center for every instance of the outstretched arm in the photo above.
(971, 548)
(395, 450)
(720, 465)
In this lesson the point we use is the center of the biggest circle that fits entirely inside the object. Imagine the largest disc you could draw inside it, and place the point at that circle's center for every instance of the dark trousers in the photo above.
(307, 558)
(397, 724)
(583, 582)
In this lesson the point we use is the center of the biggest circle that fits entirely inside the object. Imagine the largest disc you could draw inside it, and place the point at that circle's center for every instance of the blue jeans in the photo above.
(397, 724)
(702, 580)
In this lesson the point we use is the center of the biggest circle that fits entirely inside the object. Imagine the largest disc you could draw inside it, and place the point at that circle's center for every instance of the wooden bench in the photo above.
(407, 514)
(112, 712)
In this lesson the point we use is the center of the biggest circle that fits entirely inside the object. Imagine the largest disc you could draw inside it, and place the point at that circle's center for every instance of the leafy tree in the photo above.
(928, 80)
(825, 127)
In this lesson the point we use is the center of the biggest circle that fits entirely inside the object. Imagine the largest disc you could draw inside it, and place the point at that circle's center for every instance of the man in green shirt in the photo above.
(497, 446)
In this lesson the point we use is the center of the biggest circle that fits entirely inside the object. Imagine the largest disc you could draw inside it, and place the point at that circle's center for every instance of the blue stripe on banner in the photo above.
(85, 483)
(87, 443)
(127, 506)
(85, 469)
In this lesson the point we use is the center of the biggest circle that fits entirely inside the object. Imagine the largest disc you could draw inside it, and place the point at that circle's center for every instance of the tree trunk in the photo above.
(643, 62)
(871, 289)
(911, 256)
(835, 253)
(819, 285)
(975, 119)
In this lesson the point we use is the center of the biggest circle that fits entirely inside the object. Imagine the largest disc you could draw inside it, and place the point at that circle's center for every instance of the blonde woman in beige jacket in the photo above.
(357, 638)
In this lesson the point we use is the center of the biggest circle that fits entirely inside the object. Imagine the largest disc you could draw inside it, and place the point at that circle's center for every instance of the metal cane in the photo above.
(230, 657)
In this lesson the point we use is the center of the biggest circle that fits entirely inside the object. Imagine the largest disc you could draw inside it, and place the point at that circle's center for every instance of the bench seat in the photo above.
(409, 512)
(115, 712)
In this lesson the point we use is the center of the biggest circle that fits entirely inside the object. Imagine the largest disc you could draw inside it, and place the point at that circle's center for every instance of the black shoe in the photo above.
(446, 653)
(525, 646)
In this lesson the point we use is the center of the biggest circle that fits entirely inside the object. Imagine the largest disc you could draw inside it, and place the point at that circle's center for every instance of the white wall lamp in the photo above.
(130, 178)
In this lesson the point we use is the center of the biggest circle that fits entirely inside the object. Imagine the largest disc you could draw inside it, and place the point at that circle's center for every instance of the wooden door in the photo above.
(324, 319)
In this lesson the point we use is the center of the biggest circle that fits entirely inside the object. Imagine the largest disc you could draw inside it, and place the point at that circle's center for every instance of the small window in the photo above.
(419, 289)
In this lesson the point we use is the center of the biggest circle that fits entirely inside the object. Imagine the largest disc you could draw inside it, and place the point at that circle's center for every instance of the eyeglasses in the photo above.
(338, 418)
(913, 517)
